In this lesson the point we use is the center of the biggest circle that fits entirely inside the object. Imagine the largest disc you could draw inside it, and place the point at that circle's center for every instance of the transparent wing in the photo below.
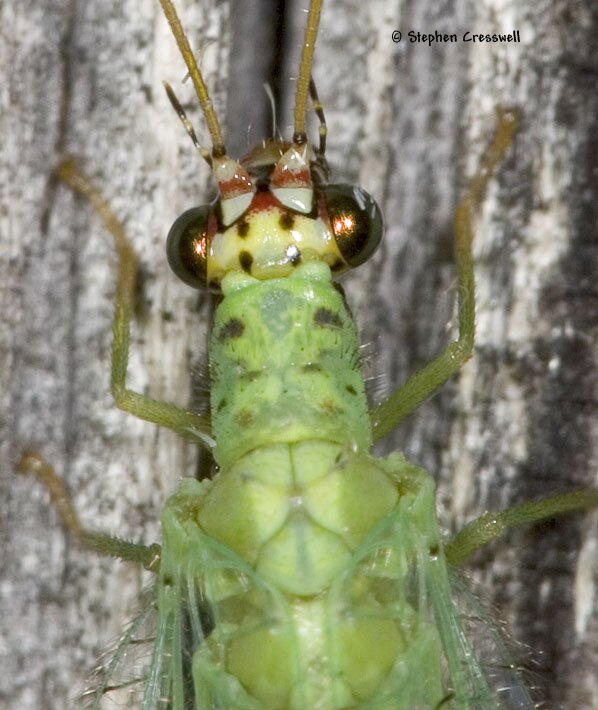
(497, 655)
(151, 666)
(120, 677)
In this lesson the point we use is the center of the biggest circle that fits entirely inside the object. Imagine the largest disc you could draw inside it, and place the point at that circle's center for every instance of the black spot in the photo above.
(244, 418)
(286, 220)
(434, 550)
(243, 228)
(246, 261)
(326, 318)
(251, 375)
(350, 389)
(337, 266)
(221, 405)
(167, 580)
(234, 328)
(329, 407)
(312, 367)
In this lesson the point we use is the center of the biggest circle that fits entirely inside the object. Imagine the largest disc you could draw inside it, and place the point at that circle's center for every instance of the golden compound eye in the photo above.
(187, 246)
(356, 221)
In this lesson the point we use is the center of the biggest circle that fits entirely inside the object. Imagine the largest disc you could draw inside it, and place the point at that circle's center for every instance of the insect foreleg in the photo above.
(183, 422)
(33, 464)
(391, 411)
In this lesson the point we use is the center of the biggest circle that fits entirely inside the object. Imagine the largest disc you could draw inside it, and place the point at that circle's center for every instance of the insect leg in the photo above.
(183, 422)
(391, 411)
(489, 526)
(32, 463)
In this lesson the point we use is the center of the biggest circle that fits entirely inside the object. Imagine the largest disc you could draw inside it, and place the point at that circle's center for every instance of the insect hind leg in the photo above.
(31, 463)
(489, 526)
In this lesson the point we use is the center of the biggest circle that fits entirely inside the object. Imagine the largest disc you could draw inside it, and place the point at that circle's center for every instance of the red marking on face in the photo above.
(237, 185)
(285, 177)
(263, 201)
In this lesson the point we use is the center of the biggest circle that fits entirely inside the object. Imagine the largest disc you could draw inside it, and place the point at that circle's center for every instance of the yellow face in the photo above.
(270, 240)
(274, 212)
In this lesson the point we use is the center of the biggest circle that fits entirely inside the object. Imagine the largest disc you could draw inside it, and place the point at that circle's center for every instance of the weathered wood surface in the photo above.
(406, 120)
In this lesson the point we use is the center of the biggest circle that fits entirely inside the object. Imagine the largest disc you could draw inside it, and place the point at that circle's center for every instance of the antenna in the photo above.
(303, 80)
(201, 89)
